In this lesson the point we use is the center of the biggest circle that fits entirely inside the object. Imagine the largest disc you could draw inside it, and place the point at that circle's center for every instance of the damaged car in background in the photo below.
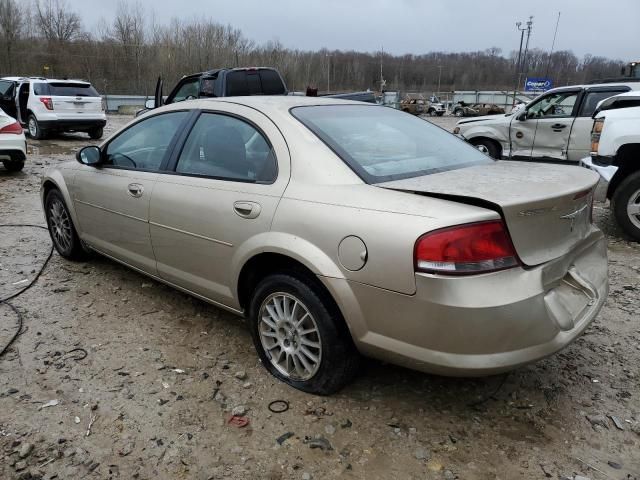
(341, 229)
(463, 109)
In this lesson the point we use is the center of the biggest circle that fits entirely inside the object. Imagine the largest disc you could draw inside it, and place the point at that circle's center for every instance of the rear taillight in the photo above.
(466, 249)
(596, 131)
(14, 128)
(48, 102)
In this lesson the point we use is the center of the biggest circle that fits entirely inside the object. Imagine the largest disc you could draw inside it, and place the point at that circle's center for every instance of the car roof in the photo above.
(264, 103)
(44, 80)
(596, 86)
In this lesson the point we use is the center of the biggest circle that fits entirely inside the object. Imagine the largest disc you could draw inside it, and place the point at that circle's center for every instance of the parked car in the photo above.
(13, 145)
(234, 82)
(45, 105)
(555, 126)
(221, 82)
(414, 106)
(615, 155)
(339, 228)
(463, 109)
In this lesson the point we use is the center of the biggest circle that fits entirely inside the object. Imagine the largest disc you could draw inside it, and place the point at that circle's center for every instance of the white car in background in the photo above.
(615, 155)
(45, 105)
(13, 145)
(554, 127)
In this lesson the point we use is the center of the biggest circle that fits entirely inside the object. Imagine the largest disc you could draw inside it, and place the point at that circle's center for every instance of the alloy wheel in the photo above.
(60, 225)
(290, 336)
(633, 208)
(483, 148)
(33, 127)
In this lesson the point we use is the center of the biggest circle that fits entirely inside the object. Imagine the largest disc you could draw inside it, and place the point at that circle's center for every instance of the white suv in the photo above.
(47, 105)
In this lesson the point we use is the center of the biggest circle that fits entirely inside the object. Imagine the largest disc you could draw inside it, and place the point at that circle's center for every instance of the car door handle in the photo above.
(135, 190)
(558, 126)
(247, 209)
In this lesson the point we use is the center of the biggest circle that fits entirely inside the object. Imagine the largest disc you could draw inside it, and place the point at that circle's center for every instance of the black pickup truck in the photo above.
(233, 82)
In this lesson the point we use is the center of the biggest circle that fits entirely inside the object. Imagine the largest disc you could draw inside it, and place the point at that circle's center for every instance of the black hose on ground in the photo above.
(5, 300)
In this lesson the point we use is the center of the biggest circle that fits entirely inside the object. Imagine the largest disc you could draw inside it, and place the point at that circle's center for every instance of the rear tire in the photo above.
(34, 129)
(625, 204)
(458, 112)
(61, 228)
(96, 133)
(488, 147)
(282, 334)
(13, 166)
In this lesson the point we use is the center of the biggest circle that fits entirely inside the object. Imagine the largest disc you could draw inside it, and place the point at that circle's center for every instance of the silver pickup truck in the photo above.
(556, 126)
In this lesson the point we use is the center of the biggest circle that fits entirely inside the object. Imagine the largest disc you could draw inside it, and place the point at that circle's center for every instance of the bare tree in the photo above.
(11, 24)
(56, 22)
(128, 30)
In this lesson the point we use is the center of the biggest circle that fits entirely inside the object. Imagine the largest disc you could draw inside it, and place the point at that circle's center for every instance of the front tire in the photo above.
(487, 147)
(625, 204)
(13, 166)
(96, 133)
(458, 113)
(34, 129)
(61, 228)
(300, 335)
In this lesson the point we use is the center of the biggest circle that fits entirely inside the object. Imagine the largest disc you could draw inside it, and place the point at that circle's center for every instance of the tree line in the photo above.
(127, 54)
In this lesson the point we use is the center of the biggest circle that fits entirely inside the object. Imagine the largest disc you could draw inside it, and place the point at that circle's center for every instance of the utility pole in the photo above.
(328, 72)
(439, 78)
(515, 88)
(524, 68)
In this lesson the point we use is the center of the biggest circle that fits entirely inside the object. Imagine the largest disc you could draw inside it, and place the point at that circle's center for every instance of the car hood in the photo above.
(547, 208)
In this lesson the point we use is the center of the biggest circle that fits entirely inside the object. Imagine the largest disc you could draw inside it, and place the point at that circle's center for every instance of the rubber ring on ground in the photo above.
(279, 406)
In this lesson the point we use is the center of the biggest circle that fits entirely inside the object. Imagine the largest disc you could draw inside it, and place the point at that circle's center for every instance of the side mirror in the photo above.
(90, 155)
(522, 116)
(149, 104)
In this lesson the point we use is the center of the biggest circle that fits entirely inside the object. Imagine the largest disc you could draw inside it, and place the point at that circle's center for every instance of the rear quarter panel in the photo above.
(388, 222)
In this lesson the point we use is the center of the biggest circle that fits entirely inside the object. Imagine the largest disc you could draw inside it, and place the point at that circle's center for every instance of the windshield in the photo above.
(382, 144)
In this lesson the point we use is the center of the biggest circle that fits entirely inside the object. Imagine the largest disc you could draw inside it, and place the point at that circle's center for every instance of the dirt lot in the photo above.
(163, 372)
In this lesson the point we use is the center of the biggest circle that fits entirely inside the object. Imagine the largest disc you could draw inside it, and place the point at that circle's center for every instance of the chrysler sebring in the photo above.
(341, 229)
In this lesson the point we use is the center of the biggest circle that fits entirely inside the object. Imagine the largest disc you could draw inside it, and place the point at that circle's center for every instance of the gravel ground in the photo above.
(163, 372)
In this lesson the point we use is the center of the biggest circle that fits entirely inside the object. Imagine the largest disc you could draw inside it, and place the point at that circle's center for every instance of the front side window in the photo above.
(228, 148)
(187, 91)
(382, 144)
(558, 104)
(144, 145)
(6, 88)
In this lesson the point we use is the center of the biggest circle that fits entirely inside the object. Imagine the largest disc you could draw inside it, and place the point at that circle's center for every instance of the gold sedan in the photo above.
(339, 229)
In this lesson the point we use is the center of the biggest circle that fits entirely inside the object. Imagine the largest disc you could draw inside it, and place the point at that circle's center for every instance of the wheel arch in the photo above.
(475, 140)
(55, 180)
(627, 160)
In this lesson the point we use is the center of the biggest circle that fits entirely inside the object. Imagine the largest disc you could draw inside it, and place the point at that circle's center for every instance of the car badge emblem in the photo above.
(573, 215)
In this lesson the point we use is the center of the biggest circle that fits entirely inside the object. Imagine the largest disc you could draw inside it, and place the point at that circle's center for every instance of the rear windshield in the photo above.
(382, 144)
(254, 82)
(71, 90)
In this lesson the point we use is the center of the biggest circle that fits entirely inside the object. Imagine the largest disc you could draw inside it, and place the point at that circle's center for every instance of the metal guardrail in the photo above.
(130, 103)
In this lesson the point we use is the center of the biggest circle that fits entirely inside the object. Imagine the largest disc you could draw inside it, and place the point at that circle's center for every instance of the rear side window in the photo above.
(271, 83)
(592, 99)
(41, 89)
(254, 82)
(227, 148)
(66, 89)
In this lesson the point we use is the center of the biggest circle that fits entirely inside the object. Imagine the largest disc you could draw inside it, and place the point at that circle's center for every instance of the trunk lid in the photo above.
(546, 207)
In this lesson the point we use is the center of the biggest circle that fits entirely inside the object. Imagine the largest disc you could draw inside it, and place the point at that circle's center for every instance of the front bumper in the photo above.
(484, 324)
(606, 173)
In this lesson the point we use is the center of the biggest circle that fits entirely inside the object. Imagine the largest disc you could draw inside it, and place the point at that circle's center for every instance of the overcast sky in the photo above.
(608, 28)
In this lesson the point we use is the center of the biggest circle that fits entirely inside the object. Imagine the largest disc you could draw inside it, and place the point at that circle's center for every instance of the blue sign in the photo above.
(532, 84)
